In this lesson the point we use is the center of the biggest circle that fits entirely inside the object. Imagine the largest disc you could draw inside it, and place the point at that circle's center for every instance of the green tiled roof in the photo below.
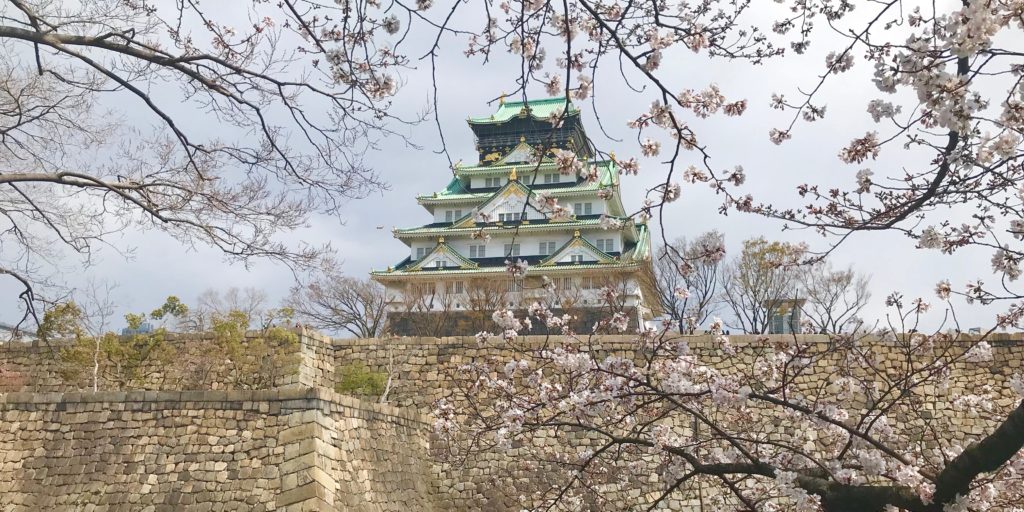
(454, 187)
(502, 270)
(482, 196)
(632, 258)
(576, 240)
(524, 169)
(540, 226)
(456, 191)
(539, 109)
(453, 198)
(442, 247)
(642, 249)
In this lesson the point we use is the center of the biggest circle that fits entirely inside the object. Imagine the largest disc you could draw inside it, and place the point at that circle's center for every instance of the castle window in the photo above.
(552, 178)
(546, 248)
(478, 251)
(452, 215)
(420, 252)
(510, 217)
(493, 182)
(583, 208)
(511, 249)
(605, 244)
(576, 258)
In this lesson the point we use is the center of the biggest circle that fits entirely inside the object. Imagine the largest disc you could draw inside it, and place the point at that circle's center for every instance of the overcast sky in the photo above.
(160, 266)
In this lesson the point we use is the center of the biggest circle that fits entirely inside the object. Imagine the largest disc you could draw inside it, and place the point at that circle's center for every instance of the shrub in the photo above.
(256, 362)
(357, 379)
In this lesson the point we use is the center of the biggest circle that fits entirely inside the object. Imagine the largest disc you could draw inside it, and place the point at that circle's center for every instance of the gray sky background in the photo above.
(160, 266)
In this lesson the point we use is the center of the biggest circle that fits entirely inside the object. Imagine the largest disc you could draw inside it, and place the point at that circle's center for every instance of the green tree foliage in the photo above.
(129, 361)
(62, 321)
(260, 361)
(356, 379)
(227, 355)
(173, 307)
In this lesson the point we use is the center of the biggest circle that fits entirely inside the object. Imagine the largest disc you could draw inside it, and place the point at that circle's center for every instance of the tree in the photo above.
(336, 303)
(833, 297)
(686, 279)
(211, 304)
(259, 361)
(146, 357)
(796, 425)
(294, 96)
(98, 310)
(950, 76)
(428, 309)
(484, 297)
(759, 282)
(124, 361)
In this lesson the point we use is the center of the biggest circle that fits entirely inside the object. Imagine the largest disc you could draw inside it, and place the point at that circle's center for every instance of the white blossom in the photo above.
(567, 163)
(1017, 384)
(778, 136)
(607, 222)
(628, 167)
(554, 86)
(981, 352)
(881, 109)
(930, 239)
(671, 192)
(650, 147)
(839, 63)
(864, 180)
(1006, 263)
(391, 24)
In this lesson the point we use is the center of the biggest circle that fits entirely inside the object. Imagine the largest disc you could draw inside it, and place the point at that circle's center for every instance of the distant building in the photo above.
(785, 316)
(492, 211)
(144, 328)
(9, 332)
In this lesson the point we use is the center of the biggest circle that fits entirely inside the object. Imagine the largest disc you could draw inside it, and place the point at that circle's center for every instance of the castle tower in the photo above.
(491, 213)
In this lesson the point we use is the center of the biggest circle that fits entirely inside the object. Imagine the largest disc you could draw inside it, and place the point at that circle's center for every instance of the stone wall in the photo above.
(38, 367)
(288, 449)
(495, 481)
(423, 364)
(302, 446)
(468, 323)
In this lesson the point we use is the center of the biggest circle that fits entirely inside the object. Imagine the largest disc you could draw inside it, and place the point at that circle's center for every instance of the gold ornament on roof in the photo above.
(501, 100)
(440, 239)
(576, 234)
(512, 175)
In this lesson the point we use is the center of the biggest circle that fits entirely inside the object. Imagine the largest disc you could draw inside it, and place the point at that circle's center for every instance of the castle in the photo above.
(499, 212)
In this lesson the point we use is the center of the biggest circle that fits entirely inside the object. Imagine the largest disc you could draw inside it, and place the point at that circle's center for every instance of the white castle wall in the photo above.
(529, 244)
